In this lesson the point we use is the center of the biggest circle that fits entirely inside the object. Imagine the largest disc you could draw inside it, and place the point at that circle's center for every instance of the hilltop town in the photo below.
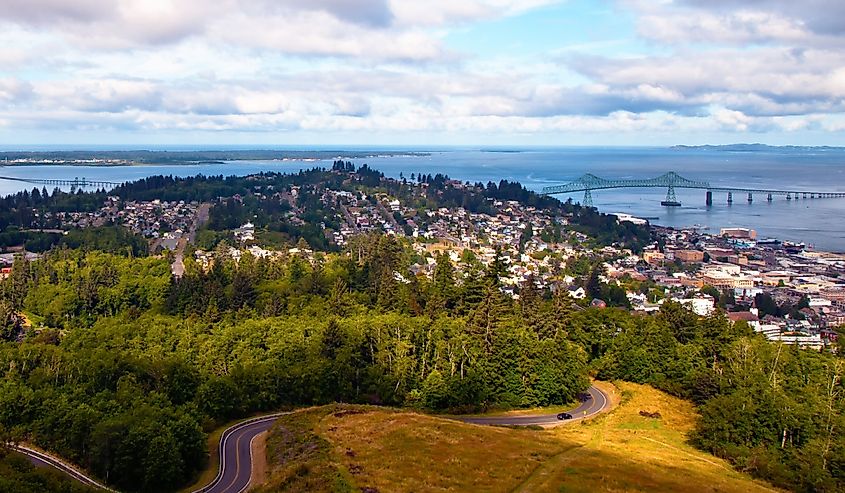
(783, 291)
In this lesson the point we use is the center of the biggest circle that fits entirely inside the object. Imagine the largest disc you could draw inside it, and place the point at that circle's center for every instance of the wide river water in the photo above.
(818, 222)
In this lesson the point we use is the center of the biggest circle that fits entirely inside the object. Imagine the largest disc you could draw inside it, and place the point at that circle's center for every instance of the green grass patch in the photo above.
(643, 424)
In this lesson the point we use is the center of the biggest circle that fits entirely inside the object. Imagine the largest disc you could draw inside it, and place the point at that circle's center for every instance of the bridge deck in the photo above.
(670, 180)
(79, 182)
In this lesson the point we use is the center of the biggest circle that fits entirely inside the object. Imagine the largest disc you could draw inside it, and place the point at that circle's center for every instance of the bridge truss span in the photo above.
(670, 181)
(593, 182)
(76, 182)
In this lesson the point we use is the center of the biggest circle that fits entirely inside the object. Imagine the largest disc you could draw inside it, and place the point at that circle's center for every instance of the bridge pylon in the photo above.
(671, 199)
(588, 198)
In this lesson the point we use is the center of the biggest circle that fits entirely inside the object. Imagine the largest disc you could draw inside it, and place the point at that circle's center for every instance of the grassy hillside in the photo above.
(355, 448)
(626, 451)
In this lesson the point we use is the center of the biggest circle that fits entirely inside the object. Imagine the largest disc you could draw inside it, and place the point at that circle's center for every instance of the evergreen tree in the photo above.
(498, 268)
(486, 316)
(594, 287)
(9, 321)
(444, 284)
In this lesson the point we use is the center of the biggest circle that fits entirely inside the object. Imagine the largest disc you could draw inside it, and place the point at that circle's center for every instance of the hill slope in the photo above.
(354, 448)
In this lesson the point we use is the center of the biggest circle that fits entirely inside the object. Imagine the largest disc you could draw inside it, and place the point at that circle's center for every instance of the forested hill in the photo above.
(131, 369)
(257, 198)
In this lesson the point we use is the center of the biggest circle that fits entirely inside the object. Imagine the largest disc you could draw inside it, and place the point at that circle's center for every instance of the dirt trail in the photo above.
(546, 474)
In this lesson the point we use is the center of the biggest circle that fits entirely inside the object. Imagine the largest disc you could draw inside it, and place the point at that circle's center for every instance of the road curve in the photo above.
(597, 403)
(235, 454)
(235, 448)
(40, 459)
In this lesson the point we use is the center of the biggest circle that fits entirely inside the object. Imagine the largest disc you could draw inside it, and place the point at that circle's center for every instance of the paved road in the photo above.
(597, 402)
(235, 449)
(177, 268)
(40, 459)
(235, 453)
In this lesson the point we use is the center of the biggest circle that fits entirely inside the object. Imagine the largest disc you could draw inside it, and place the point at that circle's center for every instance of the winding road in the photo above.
(40, 459)
(235, 448)
(597, 402)
(236, 453)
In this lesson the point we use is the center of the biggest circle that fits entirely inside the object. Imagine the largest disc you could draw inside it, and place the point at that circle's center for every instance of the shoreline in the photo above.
(813, 234)
(809, 249)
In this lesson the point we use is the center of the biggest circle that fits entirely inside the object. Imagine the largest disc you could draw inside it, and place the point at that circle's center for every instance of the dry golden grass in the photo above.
(624, 451)
(395, 451)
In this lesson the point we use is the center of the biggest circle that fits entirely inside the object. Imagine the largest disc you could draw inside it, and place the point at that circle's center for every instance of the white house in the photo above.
(245, 232)
(702, 304)
(578, 294)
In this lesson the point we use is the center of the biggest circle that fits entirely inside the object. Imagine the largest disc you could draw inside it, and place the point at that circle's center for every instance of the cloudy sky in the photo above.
(433, 72)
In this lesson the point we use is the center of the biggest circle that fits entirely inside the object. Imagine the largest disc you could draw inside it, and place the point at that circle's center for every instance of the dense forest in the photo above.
(136, 368)
(17, 475)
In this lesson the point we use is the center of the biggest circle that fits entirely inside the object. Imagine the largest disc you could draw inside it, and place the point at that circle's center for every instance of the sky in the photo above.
(422, 73)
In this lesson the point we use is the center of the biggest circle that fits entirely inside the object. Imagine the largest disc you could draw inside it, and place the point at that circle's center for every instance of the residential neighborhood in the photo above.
(730, 271)
(782, 290)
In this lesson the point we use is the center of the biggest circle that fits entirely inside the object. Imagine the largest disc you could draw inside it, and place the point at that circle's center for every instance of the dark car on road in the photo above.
(564, 416)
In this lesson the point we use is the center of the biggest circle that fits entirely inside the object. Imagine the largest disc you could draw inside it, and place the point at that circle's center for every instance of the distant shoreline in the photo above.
(753, 148)
(107, 159)
(89, 165)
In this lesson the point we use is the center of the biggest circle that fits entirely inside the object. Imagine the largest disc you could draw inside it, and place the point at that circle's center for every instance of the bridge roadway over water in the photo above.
(76, 182)
(671, 180)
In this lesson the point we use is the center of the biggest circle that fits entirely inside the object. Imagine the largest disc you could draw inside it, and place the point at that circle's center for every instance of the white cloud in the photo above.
(41, 12)
(824, 17)
(734, 28)
(387, 66)
(14, 90)
(739, 22)
(733, 120)
(317, 33)
(446, 12)
(375, 29)
(766, 80)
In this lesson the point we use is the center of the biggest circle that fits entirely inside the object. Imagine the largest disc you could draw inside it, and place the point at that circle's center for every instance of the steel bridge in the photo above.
(671, 180)
(76, 182)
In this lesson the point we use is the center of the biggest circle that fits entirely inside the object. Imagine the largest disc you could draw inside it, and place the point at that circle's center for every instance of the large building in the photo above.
(689, 255)
(739, 233)
(725, 279)
(653, 257)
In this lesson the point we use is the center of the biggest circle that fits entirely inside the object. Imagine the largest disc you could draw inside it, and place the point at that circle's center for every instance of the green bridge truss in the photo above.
(671, 180)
